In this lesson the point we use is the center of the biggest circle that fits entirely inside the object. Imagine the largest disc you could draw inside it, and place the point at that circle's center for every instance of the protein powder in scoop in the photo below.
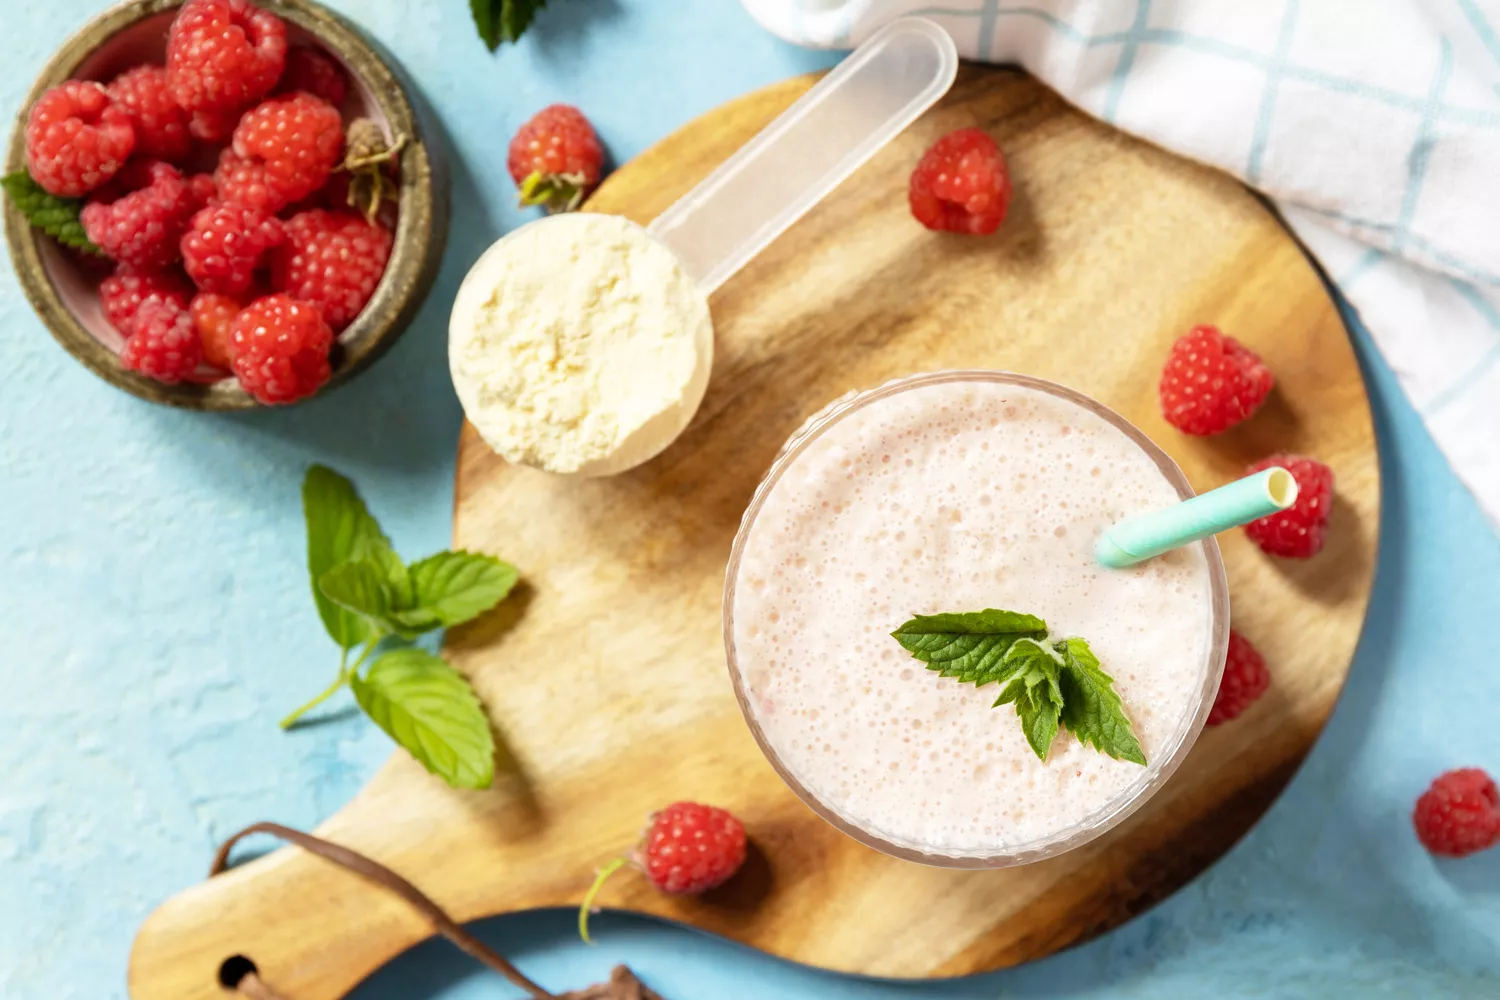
(579, 345)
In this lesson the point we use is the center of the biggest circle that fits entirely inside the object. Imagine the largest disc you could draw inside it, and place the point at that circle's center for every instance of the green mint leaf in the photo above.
(1092, 711)
(1039, 716)
(380, 555)
(57, 217)
(340, 529)
(1051, 684)
(1033, 687)
(429, 708)
(500, 21)
(1031, 665)
(451, 588)
(970, 646)
(360, 588)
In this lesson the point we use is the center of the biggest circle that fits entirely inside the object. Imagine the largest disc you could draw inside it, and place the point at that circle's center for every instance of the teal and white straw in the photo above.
(1141, 538)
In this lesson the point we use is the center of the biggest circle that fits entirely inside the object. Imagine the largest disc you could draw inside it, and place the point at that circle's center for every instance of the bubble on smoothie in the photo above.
(849, 544)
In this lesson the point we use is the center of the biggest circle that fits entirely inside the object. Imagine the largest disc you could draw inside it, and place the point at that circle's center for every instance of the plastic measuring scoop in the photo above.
(759, 192)
(580, 415)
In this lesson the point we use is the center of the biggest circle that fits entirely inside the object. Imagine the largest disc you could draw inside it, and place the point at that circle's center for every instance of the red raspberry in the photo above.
(1459, 813)
(237, 179)
(214, 315)
(1211, 382)
(279, 349)
(555, 158)
(961, 184)
(161, 126)
(143, 226)
(288, 145)
(77, 138)
(1245, 680)
(332, 259)
(123, 294)
(165, 343)
(687, 848)
(317, 73)
(691, 848)
(203, 190)
(224, 55)
(227, 244)
(1297, 532)
(214, 127)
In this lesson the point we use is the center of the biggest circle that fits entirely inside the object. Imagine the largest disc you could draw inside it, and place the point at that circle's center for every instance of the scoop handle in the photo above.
(756, 195)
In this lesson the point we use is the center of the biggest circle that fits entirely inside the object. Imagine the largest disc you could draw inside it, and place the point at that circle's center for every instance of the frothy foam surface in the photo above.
(955, 497)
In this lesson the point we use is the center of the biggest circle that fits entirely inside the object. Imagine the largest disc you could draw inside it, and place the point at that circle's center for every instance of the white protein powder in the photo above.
(578, 345)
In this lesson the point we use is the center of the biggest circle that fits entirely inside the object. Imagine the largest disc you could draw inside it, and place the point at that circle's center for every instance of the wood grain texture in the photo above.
(605, 674)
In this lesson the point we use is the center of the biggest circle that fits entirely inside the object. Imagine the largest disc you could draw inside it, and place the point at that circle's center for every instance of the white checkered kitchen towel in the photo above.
(1373, 124)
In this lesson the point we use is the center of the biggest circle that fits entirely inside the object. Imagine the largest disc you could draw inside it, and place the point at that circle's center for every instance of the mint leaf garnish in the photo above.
(1032, 685)
(1091, 709)
(1052, 684)
(1039, 723)
(57, 217)
(451, 588)
(360, 588)
(339, 530)
(1028, 667)
(503, 20)
(429, 708)
(970, 646)
(371, 601)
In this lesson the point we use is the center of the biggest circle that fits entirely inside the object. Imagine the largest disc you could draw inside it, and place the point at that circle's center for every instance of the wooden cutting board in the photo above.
(605, 674)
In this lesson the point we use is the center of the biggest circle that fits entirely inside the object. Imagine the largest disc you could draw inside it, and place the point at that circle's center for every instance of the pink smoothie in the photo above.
(960, 495)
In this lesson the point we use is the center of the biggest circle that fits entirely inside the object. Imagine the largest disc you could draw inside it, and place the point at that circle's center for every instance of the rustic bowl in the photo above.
(63, 292)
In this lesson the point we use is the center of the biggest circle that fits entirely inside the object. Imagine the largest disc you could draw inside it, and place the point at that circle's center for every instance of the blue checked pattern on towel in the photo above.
(1374, 125)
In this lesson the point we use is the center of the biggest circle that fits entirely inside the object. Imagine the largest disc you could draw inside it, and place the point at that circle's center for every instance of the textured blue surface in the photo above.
(158, 623)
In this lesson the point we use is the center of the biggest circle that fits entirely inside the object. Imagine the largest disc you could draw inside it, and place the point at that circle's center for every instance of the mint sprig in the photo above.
(1052, 683)
(501, 21)
(57, 217)
(370, 600)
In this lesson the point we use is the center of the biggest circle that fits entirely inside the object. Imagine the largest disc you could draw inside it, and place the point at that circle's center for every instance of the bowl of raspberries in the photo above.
(223, 204)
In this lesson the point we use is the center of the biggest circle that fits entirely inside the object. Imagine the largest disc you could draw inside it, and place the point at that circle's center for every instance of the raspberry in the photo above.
(331, 259)
(214, 127)
(317, 73)
(203, 190)
(961, 184)
(161, 126)
(691, 848)
(555, 158)
(289, 145)
(213, 315)
(1211, 382)
(141, 227)
(1245, 680)
(237, 179)
(687, 848)
(123, 294)
(279, 349)
(77, 138)
(223, 55)
(165, 343)
(1459, 813)
(1297, 532)
(227, 244)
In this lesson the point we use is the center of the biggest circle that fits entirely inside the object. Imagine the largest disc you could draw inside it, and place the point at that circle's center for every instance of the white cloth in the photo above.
(1374, 125)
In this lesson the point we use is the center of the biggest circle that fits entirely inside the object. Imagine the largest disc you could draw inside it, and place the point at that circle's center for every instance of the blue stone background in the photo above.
(157, 621)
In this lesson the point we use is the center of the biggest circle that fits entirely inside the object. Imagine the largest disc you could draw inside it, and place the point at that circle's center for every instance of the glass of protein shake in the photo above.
(955, 492)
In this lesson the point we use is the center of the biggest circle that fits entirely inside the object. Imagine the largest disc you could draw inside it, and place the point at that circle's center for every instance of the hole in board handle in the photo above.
(234, 969)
